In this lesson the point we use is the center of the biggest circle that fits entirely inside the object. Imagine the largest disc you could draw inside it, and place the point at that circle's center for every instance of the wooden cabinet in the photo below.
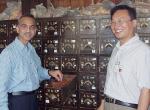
(78, 45)
(75, 46)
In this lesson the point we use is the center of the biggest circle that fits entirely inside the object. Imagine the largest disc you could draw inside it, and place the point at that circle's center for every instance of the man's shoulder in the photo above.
(9, 49)
(142, 49)
(143, 46)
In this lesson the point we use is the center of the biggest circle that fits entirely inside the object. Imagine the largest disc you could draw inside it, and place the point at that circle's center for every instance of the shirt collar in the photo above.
(133, 39)
(20, 44)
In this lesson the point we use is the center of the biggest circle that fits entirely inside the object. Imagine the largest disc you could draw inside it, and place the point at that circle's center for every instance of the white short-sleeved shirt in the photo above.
(128, 71)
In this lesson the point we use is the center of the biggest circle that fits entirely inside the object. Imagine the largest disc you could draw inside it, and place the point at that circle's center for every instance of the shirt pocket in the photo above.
(20, 72)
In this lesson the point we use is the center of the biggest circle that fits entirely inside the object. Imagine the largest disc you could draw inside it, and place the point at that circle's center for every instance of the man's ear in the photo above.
(17, 29)
(134, 23)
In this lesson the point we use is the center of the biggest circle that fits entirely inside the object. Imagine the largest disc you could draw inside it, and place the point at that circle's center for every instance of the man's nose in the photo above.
(28, 29)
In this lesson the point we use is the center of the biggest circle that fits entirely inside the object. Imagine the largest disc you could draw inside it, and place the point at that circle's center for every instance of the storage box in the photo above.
(57, 92)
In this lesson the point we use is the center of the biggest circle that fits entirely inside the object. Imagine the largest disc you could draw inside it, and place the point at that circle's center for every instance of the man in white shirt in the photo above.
(127, 84)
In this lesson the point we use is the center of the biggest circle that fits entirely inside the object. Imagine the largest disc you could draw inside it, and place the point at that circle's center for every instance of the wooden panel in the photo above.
(36, 2)
(76, 3)
(116, 1)
(73, 3)
(97, 1)
(25, 6)
(61, 3)
(2, 5)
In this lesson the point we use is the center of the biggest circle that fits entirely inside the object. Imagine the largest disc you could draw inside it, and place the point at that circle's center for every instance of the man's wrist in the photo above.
(49, 72)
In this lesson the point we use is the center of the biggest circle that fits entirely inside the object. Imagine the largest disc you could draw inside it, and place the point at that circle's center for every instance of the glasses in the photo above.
(120, 21)
(26, 27)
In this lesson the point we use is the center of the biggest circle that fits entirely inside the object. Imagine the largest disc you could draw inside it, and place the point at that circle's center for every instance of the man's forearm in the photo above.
(101, 107)
(144, 99)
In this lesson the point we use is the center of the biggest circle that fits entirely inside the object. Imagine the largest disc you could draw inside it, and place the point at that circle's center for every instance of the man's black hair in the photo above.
(26, 15)
(131, 11)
